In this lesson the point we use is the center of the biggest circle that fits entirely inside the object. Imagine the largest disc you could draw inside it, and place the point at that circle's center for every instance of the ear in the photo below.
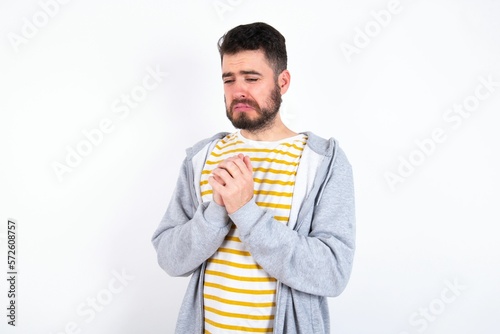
(284, 81)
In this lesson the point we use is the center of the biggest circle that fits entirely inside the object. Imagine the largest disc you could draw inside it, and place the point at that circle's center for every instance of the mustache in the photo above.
(249, 102)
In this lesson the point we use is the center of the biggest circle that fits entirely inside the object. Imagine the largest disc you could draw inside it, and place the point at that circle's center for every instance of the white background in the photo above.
(435, 226)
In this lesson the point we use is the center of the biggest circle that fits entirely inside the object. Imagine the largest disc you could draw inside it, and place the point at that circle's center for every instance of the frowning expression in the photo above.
(252, 92)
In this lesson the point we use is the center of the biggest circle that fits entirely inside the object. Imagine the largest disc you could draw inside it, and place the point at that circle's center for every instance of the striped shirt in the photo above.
(239, 296)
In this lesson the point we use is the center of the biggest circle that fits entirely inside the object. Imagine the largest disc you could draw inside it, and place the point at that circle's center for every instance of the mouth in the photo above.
(242, 107)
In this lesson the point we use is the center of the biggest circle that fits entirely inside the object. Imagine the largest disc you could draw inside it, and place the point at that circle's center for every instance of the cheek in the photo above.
(228, 94)
(262, 97)
(227, 101)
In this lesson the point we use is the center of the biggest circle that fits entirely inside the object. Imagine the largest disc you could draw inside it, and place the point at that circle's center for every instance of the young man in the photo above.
(263, 218)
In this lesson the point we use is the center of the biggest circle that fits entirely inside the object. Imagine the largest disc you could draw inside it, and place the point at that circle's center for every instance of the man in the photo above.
(263, 218)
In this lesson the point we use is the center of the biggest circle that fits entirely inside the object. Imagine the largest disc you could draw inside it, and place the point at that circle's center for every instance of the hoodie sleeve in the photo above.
(189, 233)
(317, 260)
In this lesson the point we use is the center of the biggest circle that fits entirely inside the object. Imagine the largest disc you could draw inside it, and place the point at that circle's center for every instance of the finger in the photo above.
(245, 167)
(231, 166)
(240, 156)
(217, 179)
(223, 176)
(216, 185)
(248, 163)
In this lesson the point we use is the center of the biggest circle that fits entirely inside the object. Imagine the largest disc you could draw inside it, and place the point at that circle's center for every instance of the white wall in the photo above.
(390, 96)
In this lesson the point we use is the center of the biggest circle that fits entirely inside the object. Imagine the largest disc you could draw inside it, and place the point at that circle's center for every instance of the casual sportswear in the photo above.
(311, 257)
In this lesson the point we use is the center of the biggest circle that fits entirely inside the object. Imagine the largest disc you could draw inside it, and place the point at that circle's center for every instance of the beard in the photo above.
(265, 115)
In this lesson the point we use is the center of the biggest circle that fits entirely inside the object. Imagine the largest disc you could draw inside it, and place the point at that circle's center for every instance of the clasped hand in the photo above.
(232, 182)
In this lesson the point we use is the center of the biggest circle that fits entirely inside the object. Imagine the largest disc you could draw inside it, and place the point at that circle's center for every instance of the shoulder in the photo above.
(328, 148)
(320, 145)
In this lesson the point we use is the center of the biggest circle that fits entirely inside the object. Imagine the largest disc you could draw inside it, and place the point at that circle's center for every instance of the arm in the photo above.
(189, 233)
(318, 260)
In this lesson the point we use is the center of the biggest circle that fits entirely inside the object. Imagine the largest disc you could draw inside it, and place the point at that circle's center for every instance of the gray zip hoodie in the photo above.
(311, 257)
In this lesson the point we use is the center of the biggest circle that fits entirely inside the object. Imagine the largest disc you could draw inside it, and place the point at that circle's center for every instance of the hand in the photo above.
(232, 180)
(215, 194)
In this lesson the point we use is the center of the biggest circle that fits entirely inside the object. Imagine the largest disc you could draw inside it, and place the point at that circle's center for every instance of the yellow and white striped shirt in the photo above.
(239, 296)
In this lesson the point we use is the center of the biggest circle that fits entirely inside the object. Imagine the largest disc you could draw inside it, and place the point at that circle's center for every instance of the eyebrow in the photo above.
(230, 74)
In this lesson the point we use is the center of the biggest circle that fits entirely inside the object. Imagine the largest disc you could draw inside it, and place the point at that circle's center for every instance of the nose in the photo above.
(239, 90)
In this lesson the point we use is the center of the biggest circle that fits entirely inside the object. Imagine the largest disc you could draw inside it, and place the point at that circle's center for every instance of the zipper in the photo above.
(197, 202)
(192, 189)
(278, 295)
(330, 171)
(192, 193)
(309, 199)
(202, 276)
(208, 148)
(300, 220)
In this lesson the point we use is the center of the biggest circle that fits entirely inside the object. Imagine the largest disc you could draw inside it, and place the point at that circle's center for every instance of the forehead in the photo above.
(246, 60)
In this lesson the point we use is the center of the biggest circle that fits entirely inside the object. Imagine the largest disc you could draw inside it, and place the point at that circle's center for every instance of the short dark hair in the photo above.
(256, 36)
